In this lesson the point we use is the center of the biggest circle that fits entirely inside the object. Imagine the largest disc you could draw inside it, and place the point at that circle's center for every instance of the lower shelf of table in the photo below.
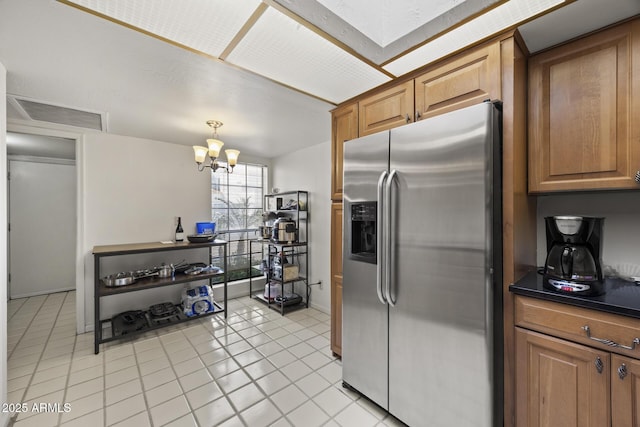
(277, 306)
(107, 332)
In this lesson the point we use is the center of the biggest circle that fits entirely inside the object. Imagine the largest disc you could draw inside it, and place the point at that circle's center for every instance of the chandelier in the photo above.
(214, 151)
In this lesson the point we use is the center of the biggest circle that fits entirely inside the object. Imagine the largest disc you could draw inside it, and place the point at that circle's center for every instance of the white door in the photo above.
(42, 237)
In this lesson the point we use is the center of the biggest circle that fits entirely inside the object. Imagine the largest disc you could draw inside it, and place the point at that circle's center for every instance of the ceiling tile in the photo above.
(380, 30)
(574, 20)
(494, 21)
(283, 50)
(204, 25)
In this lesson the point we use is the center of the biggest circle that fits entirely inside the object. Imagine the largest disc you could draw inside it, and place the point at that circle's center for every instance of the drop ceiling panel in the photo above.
(574, 20)
(204, 25)
(283, 50)
(492, 22)
(380, 30)
(385, 21)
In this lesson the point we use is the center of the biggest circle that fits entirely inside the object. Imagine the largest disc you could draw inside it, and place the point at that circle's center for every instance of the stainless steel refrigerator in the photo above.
(422, 309)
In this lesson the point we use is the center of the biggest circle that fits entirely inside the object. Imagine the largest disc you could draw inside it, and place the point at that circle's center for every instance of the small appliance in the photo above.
(164, 312)
(574, 255)
(128, 322)
(288, 299)
(284, 230)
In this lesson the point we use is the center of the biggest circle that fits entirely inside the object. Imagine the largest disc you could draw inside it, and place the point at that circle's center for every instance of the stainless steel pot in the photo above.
(284, 231)
(165, 271)
(265, 231)
(119, 279)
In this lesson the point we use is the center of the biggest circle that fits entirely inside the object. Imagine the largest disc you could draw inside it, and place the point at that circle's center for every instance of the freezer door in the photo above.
(364, 317)
(439, 333)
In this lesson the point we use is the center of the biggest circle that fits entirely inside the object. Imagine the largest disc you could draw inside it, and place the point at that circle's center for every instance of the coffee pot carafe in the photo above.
(574, 250)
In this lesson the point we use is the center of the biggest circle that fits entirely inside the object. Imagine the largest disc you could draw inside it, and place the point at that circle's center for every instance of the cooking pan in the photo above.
(119, 279)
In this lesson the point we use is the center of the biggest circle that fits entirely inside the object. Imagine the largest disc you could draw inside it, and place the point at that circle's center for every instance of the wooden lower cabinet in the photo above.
(566, 377)
(625, 391)
(336, 278)
(560, 383)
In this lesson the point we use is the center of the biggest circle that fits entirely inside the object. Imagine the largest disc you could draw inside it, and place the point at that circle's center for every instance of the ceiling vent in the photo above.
(43, 112)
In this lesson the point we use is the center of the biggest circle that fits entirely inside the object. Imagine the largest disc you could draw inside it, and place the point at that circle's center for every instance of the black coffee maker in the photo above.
(574, 251)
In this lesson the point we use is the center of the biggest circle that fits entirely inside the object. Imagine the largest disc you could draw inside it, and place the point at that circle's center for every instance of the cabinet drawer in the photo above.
(568, 322)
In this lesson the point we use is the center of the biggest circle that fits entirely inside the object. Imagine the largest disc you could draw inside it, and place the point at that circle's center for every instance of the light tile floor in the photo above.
(256, 369)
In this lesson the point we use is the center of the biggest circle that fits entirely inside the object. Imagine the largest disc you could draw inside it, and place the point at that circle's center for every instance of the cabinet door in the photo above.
(336, 278)
(584, 100)
(466, 79)
(625, 391)
(343, 128)
(387, 109)
(559, 383)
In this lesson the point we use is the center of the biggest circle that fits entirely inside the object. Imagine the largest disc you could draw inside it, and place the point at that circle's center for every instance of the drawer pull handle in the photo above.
(634, 343)
(599, 365)
(622, 371)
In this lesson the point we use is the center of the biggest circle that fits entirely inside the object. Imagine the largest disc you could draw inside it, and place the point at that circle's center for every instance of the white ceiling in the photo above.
(270, 70)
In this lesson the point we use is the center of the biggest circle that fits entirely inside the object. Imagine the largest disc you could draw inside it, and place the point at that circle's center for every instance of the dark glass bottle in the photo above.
(179, 231)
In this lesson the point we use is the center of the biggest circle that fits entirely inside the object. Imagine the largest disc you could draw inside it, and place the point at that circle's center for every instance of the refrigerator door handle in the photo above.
(390, 241)
(379, 237)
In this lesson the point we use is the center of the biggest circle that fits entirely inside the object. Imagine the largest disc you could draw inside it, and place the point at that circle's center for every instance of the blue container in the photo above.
(205, 227)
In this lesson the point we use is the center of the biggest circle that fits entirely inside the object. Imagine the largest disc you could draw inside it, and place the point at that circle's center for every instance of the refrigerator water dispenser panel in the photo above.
(363, 232)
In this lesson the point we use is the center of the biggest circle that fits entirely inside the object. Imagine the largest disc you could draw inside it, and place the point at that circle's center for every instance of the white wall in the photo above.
(621, 211)
(133, 191)
(309, 169)
(4, 417)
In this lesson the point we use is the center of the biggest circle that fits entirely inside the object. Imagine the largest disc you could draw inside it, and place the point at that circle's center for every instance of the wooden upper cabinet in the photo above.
(466, 79)
(387, 109)
(344, 127)
(584, 104)
(560, 383)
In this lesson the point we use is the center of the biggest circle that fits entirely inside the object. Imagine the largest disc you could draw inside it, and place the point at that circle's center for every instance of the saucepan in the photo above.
(165, 270)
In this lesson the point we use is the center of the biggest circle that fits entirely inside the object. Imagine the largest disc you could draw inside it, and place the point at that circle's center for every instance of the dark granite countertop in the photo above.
(620, 296)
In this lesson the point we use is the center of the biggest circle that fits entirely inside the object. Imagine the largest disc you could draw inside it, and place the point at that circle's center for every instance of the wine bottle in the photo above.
(179, 231)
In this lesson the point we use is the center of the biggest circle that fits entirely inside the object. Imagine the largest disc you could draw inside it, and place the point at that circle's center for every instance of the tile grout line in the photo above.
(26, 390)
(278, 369)
(27, 328)
(253, 381)
(75, 341)
(303, 327)
(144, 395)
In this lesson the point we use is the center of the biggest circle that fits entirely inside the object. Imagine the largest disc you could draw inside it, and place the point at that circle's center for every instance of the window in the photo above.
(236, 208)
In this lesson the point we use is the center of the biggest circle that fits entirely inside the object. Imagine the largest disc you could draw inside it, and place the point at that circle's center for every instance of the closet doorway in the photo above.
(42, 219)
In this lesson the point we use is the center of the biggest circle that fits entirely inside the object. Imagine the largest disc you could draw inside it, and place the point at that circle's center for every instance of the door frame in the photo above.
(21, 126)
